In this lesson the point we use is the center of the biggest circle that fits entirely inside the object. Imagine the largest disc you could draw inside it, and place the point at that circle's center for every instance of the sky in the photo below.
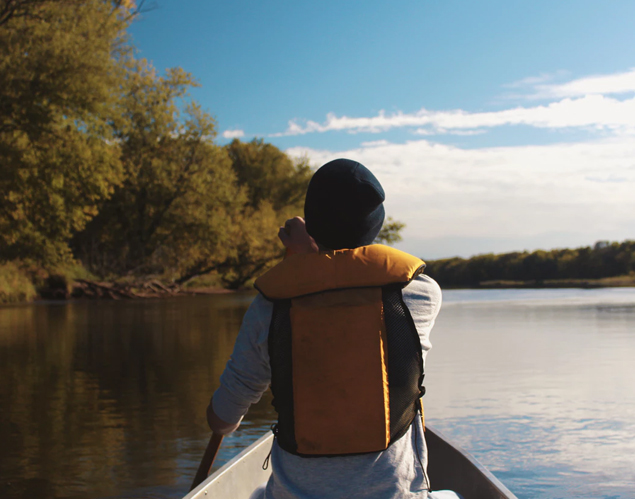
(494, 126)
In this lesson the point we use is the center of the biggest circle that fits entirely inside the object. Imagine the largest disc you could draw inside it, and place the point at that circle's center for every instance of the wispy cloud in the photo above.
(533, 81)
(611, 84)
(596, 111)
(375, 143)
(610, 178)
(233, 134)
(425, 131)
(598, 102)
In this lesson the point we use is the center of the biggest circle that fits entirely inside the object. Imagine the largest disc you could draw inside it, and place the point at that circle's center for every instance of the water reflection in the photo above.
(107, 399)
(100, 398)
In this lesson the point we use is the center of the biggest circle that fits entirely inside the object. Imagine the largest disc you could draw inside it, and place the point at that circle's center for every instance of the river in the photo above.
(107, 399)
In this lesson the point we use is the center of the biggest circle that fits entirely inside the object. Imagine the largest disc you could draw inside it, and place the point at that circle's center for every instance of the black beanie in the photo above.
(344, 205)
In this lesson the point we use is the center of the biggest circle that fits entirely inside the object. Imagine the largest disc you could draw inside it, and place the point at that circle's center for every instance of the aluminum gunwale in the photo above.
(246, 468)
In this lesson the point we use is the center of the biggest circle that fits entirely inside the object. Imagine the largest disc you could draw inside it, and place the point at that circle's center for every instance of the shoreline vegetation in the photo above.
(552, 269)
(607, 282)
(605, 264)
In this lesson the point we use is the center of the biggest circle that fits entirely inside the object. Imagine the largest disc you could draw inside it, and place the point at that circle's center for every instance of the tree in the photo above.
(606, 260)
(175, 209)
(60, 68)
(256, 245)
(275, 185)
(101, 155)
(10, 9)
(270, 175)
(390, 232)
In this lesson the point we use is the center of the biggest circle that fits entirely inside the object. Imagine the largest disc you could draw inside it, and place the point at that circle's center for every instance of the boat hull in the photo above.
(449, 467)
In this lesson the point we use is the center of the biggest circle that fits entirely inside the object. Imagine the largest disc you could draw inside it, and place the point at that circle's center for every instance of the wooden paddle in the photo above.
(208, 459)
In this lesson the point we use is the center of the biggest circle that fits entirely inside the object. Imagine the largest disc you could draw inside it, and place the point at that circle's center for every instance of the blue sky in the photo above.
(493, 125)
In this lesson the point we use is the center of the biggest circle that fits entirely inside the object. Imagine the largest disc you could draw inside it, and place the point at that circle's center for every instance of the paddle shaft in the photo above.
(215, 440)
(208, 459)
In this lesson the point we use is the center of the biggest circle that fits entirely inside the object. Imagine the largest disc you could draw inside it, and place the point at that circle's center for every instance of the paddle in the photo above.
(214, 442)
(208, 459)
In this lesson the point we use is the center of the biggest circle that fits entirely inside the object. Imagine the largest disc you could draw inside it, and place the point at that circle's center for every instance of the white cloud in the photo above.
(533, 81)
(479, 131)
(618, 83)
(424, 131)
(442, 192)
(595, 111)
(588, 102)
(375, 143)
(233, 134)
(428, 131)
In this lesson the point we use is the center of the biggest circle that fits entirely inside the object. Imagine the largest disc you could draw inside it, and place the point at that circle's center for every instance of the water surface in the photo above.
(107, 399)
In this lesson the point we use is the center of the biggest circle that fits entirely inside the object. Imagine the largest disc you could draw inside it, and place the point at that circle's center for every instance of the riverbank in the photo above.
(23, 284)
(606, 282)
(153, 288)
(17, 287)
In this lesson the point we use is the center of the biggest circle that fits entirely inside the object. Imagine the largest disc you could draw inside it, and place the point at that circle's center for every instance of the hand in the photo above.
(295, 237)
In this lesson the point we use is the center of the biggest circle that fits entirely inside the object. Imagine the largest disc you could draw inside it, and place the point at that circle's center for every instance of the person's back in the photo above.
(341, 335)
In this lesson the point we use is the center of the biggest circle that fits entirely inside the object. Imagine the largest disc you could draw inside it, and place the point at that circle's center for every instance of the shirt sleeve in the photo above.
(247, 374)
(423, 298)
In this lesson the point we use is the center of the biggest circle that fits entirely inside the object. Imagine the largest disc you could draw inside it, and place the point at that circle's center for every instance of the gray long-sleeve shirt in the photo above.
(394, 473)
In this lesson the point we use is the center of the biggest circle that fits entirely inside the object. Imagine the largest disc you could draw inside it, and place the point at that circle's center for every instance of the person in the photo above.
(340, 330)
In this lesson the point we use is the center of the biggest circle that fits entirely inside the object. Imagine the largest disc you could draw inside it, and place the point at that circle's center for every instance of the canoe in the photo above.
(449, 467)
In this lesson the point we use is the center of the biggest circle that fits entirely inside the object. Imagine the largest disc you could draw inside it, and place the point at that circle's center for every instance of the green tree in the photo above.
(600, 261)
(175, 209)
(60, 68)
(390, 232)
(270, 175)
(255, 243)
(275, 185)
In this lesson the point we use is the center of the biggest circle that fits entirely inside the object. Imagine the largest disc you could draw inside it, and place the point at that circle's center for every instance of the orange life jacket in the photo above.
(346, 360)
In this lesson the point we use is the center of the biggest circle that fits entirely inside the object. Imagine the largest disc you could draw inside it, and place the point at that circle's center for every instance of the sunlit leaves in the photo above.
(59, 66)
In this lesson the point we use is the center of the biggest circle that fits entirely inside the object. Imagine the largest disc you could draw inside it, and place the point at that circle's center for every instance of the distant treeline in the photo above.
(600, 261)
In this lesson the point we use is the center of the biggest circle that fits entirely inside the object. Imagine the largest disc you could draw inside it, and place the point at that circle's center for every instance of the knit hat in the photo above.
(344, 205)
